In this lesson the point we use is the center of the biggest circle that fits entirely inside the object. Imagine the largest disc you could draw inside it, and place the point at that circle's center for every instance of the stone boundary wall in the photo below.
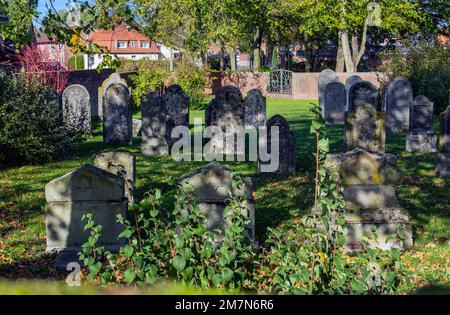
(304, 85)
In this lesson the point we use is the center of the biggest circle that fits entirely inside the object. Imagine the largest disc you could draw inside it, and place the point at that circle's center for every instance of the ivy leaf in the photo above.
(179, 263)
(129, 276)
(227, 275)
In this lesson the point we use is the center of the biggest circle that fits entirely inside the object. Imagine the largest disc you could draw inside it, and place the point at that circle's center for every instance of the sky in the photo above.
(42, 6)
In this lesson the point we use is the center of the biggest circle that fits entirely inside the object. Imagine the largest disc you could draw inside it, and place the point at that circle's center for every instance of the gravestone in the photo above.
(112, 79)
(122, 164)
(348, 84)
(443, 157)
(369, 178)
(226, 111)
(360, 93)
(212, 186)
(335, 103)
(325, 77)
(117, 118)
(421, 136)
(85, 190)
(287, 160)
(365, 129)
(137, 127)
(176, 104)
(397, 103)
(77, 109)
(154, 142)
(255, 109)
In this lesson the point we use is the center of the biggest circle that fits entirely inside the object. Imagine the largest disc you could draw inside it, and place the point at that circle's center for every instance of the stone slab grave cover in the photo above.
(137, 127)
(112, 79)
(335, 103)
(117, 120)
(397, 103)
(84, 190)
(255, 109)
(348, 84)
(226, 111)
(176, 104)
(325, 77)
(365, 129)
(153, 112)
(122, 164)
(369, 178)
(76, 106)
(361, 93)
(443, 157)
(287, 159)
(212, 186)
(421, 137)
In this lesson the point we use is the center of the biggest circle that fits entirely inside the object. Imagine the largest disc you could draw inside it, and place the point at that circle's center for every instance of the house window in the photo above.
(145, 45)
(132, 44)
(121, 44)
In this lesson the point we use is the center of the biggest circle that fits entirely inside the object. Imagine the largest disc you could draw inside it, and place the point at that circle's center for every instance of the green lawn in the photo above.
(278, 199)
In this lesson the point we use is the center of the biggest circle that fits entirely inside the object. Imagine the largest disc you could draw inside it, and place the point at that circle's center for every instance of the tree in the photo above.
(20, 14)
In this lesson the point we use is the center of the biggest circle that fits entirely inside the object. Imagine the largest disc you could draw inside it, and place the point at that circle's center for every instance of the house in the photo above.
(124, 43)
(54, 51)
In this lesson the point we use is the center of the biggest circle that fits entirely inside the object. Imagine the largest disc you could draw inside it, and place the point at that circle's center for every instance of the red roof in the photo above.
(109, 39)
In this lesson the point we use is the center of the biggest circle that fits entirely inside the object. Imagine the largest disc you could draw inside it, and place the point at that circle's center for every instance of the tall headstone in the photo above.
(176, 104)
(335, 100)
(443, 157)
(122, 164)
(369, 178)
(85, 190)
(117, 115)
(365, 129)
(286, 147)
(397, 103)
(112, 79)
(226, 111)
(348, 84)
(212, 186)
(255, 109)
(77, 109)
(421, 137)
(153, 112)
(325, 77)
(362, 92)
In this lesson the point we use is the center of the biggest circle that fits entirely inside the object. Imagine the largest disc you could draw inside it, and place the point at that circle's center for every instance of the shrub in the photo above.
(76, 62)
(193, 81)
(428, 69)
(30, 130)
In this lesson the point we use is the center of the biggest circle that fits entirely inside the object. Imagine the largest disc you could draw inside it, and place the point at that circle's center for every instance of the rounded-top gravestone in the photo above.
(77, 109)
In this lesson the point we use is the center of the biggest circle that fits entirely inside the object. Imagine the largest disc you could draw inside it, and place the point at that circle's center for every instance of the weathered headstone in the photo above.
(421, 137)
(348, 84)
(397, 103)
(365, 129)
(137, 127)
(443, 158)
(112, 79)
(255, 109)
(117, 118)
(176, 104)
(122, 164)
(287, 160)
(77, 109)
(226, 111)
(335, 103)
(212, 186)
(325, 77)
(154, 142)
(362, 92)
(85, 190)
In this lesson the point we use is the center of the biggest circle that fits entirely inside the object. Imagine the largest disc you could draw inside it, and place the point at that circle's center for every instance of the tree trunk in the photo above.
(257, 37)
(340, 62)
(222, 61)
(232, 54)
(307, 54)
(171, 60)
(349, 65)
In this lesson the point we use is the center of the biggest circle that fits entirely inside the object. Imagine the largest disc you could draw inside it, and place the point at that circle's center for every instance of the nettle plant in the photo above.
(175, 244)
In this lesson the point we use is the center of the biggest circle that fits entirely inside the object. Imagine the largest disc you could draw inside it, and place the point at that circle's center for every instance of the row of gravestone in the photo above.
(403, 112)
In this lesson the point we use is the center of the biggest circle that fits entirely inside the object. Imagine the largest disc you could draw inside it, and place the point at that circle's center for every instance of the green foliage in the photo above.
(428, 69)
(20, 15)
(76, 62)
(175, 244)
(30, 130)
(192, 80)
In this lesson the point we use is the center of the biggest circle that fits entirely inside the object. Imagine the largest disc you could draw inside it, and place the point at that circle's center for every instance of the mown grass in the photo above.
(278, 198)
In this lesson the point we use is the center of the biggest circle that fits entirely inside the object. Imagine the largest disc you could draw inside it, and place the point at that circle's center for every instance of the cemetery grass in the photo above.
(280, 200)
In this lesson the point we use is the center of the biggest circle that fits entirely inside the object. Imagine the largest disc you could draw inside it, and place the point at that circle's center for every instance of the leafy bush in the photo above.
(193, 81)
(76, 62)
(30, 130)
(428, 69)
